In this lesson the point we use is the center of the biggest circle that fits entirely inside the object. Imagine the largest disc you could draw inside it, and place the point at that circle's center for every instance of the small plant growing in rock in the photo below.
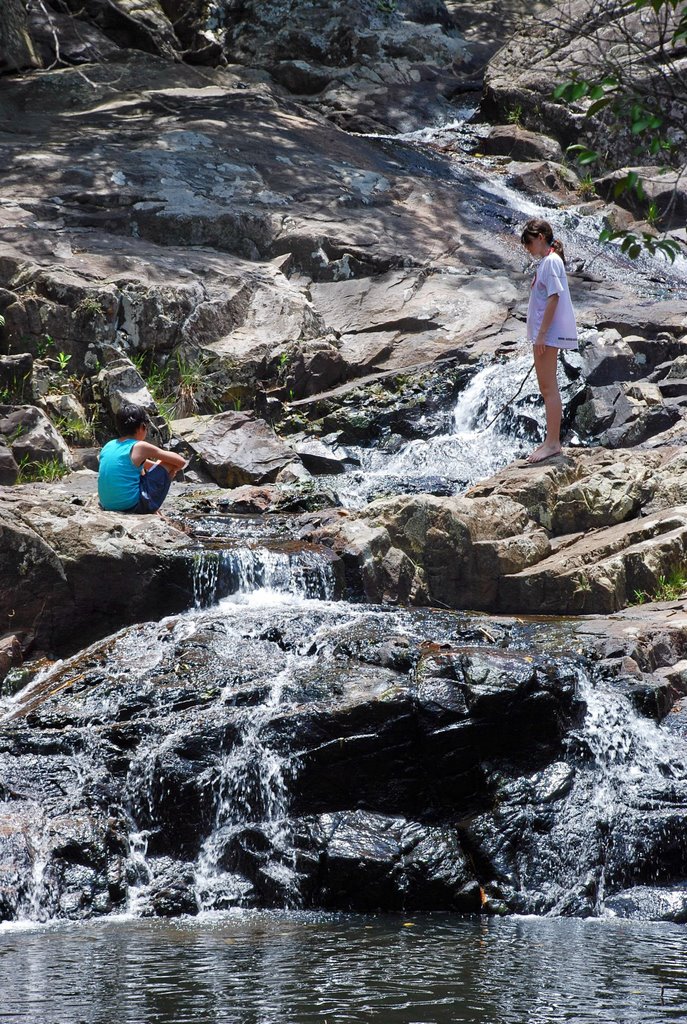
(387, 6)
(653, 215)
(514, 116)
(74, 430)
(671, 587)
(582, 584)
(44, 345)
(63, 360)
(90, 306)
(191, 380)
(587, 188)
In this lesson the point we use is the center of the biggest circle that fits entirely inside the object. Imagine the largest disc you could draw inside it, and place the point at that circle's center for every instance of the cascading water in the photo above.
(245, 570)
(252, 785)
(450, 463)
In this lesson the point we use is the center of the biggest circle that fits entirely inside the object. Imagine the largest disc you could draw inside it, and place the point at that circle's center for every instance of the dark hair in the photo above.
(129, 418)
(536, 227)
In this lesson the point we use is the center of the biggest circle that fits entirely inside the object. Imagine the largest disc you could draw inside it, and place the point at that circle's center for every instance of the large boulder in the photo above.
(581, 35)
(31, 437)
(69, 571)
(661, 186)
(236, 448)
(120, 383)
(445, 551)
(520, 144)
(604, 571)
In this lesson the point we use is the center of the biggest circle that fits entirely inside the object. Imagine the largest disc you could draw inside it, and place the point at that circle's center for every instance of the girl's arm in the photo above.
(547, 320)
(144, 452)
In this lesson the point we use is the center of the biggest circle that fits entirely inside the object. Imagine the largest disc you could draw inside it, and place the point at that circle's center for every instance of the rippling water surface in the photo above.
(279, 968)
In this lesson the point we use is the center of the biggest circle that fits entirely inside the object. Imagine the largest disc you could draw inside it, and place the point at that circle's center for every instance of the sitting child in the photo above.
(134, 475)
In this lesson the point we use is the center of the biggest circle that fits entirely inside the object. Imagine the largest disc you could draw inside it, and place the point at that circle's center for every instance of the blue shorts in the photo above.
(153, 489)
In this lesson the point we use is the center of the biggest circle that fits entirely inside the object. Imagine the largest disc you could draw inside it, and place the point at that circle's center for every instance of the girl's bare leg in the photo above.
(545, 365)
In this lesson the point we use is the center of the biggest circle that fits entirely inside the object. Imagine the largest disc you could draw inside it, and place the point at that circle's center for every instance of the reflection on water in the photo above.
(284, 968)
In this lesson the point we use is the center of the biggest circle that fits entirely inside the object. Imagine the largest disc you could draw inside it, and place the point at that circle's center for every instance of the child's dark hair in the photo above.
(536, 227)
(129, 418)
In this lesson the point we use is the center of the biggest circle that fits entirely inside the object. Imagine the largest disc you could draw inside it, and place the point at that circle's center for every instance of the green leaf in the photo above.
(583, 154)
(594, 108)
(577, 91)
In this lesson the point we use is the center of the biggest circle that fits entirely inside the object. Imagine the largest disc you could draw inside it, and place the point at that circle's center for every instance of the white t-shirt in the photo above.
(549, 280)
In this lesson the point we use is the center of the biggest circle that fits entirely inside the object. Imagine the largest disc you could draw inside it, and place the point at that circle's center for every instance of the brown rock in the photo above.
(520, 144)
(236, 448)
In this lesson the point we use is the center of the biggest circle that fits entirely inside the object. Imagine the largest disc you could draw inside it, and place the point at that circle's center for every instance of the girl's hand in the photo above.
(539, 347)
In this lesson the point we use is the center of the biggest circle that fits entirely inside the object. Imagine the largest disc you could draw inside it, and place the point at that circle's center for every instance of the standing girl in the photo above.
(550, 325)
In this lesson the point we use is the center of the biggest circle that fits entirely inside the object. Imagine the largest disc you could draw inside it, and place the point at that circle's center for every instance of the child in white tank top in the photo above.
(550, 326)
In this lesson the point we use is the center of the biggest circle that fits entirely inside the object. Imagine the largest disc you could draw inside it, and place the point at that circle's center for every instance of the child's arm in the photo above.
(146, 454)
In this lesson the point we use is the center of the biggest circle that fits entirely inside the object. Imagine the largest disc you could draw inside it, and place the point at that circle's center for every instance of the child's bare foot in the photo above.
(544, 451)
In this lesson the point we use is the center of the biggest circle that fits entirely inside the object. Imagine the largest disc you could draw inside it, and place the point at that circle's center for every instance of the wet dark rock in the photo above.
(369, 861)
(386, 745)
(651, 903)
(171, 893)
(318, 457)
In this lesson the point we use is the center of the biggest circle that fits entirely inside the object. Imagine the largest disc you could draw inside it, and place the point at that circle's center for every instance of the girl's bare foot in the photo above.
(544, 451)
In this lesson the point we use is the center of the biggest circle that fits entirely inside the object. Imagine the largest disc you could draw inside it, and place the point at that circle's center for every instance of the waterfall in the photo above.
(300, 572)
(607, 820)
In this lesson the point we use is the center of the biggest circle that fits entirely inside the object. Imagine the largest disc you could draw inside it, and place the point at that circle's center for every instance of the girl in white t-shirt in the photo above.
(550, 325)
